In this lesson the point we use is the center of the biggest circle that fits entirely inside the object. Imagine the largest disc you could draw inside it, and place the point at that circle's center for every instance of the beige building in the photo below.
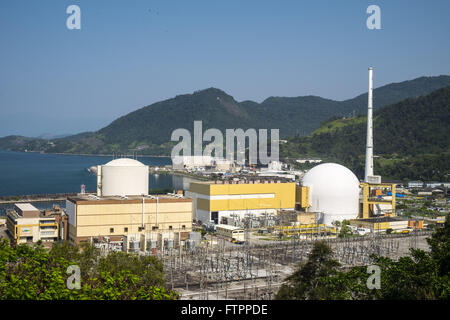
(290, 217)
(115, 217)
(381, 224)
(26, 224)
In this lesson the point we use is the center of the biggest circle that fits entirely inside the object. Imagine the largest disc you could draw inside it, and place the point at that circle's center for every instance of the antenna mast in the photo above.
(369, 144)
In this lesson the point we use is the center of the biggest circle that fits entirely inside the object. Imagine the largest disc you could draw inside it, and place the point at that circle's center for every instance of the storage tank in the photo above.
(334, 192)
(122, 177)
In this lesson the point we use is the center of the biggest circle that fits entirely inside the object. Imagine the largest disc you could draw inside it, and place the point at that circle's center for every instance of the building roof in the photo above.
(93, 199)
(228, 227)
(124, 162)
(381, 219)
(26, 207)
(256, 180)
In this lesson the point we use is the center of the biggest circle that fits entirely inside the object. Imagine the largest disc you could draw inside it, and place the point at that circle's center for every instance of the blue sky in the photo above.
(129, 54)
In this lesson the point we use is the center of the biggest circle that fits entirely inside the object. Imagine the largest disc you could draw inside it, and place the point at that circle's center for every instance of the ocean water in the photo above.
(26, 173)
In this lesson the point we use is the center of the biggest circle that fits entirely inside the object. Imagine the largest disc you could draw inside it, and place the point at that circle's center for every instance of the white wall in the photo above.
(122, 181)
(71, 211)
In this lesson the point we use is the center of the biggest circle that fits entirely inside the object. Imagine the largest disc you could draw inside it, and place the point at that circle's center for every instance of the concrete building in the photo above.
(375, 200)
(415, 184)
(223, 164)
(289, 217)
(115, 217)
(434, 184)
(332, 191)
(191, 162)
(201, 162)
(381, 224)
(26, 224)
(277, 175)
(121, 177)
(308, 160)
(215, 199)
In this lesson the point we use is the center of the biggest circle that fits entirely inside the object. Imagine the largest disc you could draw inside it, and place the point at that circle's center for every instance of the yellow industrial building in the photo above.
(118, 216)
(302, 197)
(214, 199)
(375, 202)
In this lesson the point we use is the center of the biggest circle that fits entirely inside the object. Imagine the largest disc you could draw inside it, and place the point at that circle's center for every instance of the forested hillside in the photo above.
(148, 130)
(411, 139)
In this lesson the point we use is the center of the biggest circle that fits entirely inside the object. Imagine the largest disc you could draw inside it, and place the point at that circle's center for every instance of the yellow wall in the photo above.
(302, 196)
(284, 196)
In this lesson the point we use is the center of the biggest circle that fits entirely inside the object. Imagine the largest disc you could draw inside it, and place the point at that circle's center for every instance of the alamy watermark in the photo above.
(374, 280)
(74, 280)
(74, 20)
(257, 144)
(374, 20)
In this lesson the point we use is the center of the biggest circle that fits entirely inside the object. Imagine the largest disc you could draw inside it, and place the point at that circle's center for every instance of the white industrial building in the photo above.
(122, 177)
(191, 162)
(334, 192)
(415, 184)
(201, 162)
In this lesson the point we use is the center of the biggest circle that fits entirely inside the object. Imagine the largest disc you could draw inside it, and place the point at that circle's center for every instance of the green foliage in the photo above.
(410, 278)
(420, 276)
(345, 229)
(440, 248)
(35, 273)
(410, 138)
(160, 190)
(308, 281)
(149, 129)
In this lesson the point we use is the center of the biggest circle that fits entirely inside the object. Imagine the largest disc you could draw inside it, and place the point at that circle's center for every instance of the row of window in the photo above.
(111, 230)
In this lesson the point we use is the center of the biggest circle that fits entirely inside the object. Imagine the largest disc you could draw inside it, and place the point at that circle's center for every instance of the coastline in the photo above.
(85, 154)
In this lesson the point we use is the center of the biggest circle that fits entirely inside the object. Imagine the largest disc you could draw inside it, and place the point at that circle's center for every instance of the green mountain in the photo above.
(411, 140)
(148, 130)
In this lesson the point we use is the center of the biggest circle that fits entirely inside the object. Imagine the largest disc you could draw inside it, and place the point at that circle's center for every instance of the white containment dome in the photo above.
(122, 177)
(334, 192)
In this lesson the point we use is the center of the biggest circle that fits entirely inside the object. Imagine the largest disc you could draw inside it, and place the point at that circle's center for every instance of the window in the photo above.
(170, 227)
(111, 230)
(125, 229)
(215, 217)
(183, 227)
(154, 228)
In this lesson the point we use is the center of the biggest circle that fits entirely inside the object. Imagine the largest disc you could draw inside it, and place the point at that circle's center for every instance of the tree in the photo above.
(35, 273)
(440, 248)
(419, 276)
(307, 282)
(345, 229)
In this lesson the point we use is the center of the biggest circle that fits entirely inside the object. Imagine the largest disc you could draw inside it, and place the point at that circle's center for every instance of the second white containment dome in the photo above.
(334, 192)
(122, 177)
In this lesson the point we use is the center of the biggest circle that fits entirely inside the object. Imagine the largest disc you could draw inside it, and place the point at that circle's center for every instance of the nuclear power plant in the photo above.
(219, 236)
(323, 197)
(335, 194)
(122, 177)
(123, 216)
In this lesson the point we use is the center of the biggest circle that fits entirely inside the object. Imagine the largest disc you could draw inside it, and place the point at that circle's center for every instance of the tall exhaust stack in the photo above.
(369, 143)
